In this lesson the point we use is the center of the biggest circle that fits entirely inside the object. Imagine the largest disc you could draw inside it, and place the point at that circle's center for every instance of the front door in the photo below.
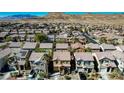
(108, 69)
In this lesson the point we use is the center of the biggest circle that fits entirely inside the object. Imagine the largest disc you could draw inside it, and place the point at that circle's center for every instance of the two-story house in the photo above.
(29, 46)
(62, 47)
(4, 54)
(120, 48)
(119, 56)
(15, 46)
(107, 47)
(84, 61)
(105, 61)
(93, 47)
(46, 47)
(77, 47)
(37, 61)
(61, 59)
(30, 38)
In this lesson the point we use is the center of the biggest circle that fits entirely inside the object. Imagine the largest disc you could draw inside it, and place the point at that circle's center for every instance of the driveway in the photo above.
(7, 75)
(104, 75)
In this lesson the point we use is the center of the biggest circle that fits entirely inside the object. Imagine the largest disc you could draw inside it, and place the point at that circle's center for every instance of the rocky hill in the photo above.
(84, 18)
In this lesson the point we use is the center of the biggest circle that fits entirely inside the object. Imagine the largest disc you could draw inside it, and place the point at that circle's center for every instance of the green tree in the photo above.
(88, 49)
(103, 40)
(123, 42)
(41, 75)
(67, 77)
(8, 38)
(39, 37)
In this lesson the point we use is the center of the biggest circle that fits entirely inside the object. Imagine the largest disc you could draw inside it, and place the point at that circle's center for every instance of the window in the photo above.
(66, 62)
(87, 63)
(61, 62)
(105, 61)
(56, 62)
(78, 62)
(91, 63)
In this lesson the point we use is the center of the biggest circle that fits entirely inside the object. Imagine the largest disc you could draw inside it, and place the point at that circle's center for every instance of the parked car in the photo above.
(55, 76)
(82, 76)
(32, 74)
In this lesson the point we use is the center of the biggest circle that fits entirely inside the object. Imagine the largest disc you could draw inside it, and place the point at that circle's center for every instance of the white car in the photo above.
(55, 76)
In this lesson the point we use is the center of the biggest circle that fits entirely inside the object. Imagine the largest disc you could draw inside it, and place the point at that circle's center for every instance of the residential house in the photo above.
(15, 46)
(82, 39)
(120, 48)
(62, 37)
(3, 35)
(22, 37)
(119, 56)
(46, 47)
(105, 61)
(62, 47)
(13, 32)
(77, 47)
(51, 38)
(84, 61)
(14, 37)
(45, 31)
(4, 54)
(93, 47)
(37, 31)
(23, 55)
(22, 58)
(30, 31)
(29, 46)
(37, 61)
(61, 60)
(22, 32)
(30, 38)
(107, 47)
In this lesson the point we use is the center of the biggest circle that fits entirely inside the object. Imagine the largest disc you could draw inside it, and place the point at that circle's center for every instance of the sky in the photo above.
(3, 14)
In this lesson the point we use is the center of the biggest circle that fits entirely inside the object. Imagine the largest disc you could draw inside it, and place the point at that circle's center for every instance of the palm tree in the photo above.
(19, 69)
(103, 40)
(87, 49)
(41, 75)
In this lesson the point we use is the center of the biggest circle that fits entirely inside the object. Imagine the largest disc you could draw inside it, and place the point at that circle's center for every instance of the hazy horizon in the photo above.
(4, 14)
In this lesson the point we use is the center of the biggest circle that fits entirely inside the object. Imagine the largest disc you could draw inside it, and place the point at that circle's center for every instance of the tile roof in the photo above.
(102, 55)
(62, 46)
(119, 55)
(29, 45)
(108, 46)
(86, 56)
(46, 45)
(61, 56)
(77, 45)
(121, 47)
(3, 34)
(92, 46)
(5, 52)
(15, 45)
(35, 56)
